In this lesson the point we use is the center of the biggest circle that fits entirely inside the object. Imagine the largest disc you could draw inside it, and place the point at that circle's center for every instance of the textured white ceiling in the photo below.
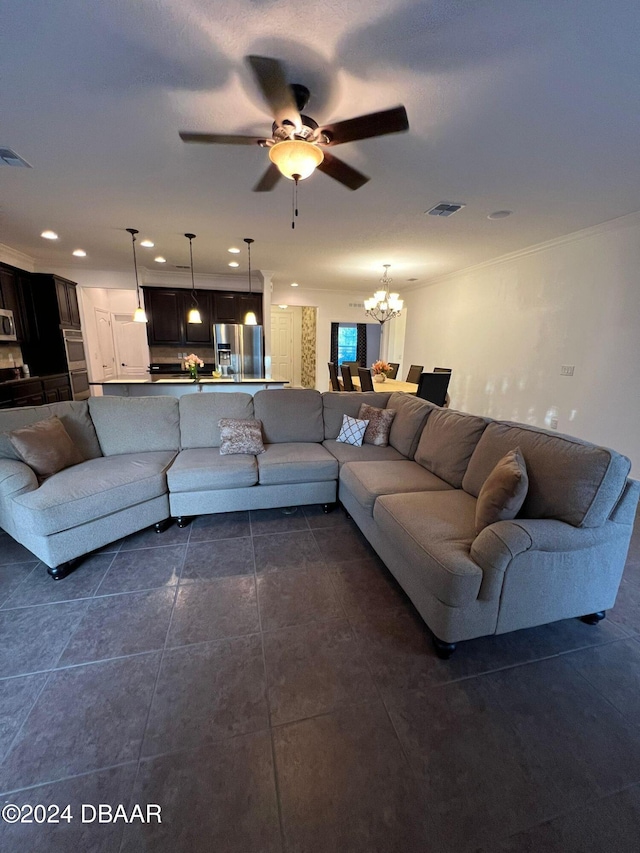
(529, 106)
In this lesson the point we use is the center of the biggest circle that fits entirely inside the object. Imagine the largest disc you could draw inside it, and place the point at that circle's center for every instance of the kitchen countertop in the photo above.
(178, 380)
(16, 381)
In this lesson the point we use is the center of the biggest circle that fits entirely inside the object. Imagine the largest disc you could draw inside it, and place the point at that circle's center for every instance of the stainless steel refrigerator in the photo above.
(239, 350)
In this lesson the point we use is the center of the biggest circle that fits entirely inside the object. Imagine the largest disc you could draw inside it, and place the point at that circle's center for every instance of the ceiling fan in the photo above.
(297, 145)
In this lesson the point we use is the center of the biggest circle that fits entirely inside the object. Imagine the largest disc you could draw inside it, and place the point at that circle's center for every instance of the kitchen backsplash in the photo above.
(169, 355)
(10, 355)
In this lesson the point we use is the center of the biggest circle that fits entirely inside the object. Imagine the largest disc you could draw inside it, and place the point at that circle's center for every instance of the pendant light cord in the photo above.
(190, 237)
(133, 233)
(249, 241)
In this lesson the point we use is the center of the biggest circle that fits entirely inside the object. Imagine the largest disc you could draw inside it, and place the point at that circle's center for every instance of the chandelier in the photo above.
(383, 306)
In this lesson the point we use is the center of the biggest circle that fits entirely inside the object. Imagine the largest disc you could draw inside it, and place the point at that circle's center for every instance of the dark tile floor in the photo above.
(262, 678)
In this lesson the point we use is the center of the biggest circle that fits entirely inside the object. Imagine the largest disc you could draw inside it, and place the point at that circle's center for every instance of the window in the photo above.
(347, 343)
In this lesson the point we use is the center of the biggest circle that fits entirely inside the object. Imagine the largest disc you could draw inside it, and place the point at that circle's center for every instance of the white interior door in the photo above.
(282, 345)
(105, 343)
(131, 347)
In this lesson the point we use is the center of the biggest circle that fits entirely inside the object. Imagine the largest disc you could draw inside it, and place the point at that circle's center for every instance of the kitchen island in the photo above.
(176, 386)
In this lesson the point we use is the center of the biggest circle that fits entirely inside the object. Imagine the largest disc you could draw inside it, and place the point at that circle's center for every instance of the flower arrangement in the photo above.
(380, 367)
(192, 363)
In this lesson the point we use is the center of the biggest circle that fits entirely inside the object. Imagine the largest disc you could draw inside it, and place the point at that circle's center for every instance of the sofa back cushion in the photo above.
(411, 415)
(289, 414)
(569, 479)
(200, 413)
(135, 424)
(75, 419)
(447, 443)
(335, 404)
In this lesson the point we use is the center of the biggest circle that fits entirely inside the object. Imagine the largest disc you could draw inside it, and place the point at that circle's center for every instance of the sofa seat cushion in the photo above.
(366, 481)
(367, 453)
(204, 468)
(92, 490)
(432, 532)
(296, 462)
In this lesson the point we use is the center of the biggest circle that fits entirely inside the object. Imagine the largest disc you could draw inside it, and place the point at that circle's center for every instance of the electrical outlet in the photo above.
(553, 423)
(567, 370)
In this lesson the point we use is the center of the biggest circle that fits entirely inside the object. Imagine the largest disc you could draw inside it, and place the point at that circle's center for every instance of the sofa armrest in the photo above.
(16, 478)
(498, 544)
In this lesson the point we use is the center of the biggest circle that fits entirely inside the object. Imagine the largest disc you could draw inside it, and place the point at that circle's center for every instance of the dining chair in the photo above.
(347, 384)
(393, 373)
(366, 382)
(353, 366)
(433, 387)
(442, 370)
(414, 373)
(333, 376)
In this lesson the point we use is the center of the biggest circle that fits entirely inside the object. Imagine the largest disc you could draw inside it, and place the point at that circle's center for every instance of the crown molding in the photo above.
(629, 220)
(16, 259)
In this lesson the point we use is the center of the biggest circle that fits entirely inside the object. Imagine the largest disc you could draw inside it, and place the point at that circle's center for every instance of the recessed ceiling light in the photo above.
(294, 284)
(148, 244)
(283, 306)
(160, 260)
(500, 214)
(49, 235)
(79, 253)
(234, 264)
(412, 279)
(234, 251)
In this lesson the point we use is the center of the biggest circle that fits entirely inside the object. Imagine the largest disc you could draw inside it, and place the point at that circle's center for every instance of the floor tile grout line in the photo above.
(24, 580)
(155, 683)
(67, 778)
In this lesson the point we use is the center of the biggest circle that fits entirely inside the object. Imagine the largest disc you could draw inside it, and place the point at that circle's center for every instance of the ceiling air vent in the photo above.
(445, 208)
(10, 158)
(356, 305)
(183, 267)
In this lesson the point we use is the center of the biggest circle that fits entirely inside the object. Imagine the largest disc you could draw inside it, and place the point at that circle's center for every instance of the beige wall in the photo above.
(506, 328)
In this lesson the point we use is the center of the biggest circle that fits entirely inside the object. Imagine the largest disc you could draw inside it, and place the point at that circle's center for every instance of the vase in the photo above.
(193, 372)
(379, 377)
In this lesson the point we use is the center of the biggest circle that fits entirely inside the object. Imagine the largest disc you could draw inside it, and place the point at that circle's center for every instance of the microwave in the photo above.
(7, 326)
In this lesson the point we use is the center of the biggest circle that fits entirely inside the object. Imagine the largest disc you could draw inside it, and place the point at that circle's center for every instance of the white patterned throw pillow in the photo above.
(352, 431)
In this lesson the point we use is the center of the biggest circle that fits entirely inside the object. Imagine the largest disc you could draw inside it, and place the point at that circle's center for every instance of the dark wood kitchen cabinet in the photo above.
(11, 298)
(55, 297)
(167, 315)
(35, 391)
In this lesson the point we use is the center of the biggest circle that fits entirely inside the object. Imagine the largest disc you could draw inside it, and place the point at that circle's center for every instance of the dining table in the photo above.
(389, 385)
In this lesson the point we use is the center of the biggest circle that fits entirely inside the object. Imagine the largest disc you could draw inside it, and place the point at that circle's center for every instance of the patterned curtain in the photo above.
(361, 346)
(334, 342)
(308, 377)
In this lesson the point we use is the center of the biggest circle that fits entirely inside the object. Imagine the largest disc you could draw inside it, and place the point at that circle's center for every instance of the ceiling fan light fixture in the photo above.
(296, 157)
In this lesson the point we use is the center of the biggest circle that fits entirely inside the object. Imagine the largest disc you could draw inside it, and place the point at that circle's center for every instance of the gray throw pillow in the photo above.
(240, 435)
(380, 421)
(503, 492)
(45, 446)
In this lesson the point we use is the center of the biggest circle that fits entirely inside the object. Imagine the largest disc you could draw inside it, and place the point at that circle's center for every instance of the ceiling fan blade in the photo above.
(220, 138)
(364, 127)
(342, 172)
(270, 77)
(269, 179)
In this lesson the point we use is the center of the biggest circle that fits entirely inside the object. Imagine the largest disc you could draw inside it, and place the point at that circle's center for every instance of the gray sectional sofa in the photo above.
(150, 458)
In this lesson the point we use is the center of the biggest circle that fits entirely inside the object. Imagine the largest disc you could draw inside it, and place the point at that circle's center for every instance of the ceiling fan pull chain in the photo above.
(294, 200)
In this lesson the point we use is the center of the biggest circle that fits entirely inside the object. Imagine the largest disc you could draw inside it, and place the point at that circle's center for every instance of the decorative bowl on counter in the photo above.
(216, 374)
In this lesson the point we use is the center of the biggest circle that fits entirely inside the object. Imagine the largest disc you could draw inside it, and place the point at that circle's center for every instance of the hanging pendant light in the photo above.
(250, 317)
(138, 315)
(383, 306)
(194, 312)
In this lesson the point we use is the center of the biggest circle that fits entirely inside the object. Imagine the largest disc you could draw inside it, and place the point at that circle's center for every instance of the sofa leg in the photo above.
(64, 569)
(184, 520)
(161, 526)
(593, 618)
(327, 508)
(442, 649)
